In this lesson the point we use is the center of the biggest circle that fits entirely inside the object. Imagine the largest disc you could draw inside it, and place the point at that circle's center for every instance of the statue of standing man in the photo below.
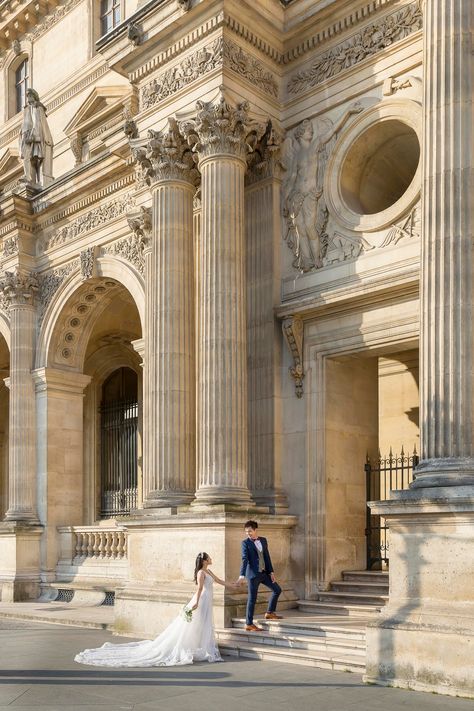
(36, 142)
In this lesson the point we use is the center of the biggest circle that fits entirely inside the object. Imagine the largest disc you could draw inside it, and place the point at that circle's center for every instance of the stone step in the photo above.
(57, 613)
(375, 576)
(317, 607)
(366, 588)
(334, 645)
(353, 598)
(343, 661)
(313, 629)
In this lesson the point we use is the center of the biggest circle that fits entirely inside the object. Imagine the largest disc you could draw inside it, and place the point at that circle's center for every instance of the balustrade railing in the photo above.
(92, 552)
(100, 543)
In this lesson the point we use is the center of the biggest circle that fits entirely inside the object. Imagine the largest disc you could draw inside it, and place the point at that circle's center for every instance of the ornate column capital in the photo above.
(166, 155)
(19, 288)
(140, 222)
(265, 160)
(220, 128)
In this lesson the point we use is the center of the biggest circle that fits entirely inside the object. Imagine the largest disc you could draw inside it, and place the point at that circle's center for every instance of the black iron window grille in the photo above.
(382, 476)
(119, 426)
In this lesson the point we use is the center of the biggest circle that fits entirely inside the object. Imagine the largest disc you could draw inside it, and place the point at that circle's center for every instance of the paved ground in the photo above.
(37, 673)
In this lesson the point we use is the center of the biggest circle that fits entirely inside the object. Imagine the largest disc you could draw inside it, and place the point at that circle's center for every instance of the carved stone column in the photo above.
(219, 137)
(264, 347)
(447, 285)
(19, 289)
(169, 359)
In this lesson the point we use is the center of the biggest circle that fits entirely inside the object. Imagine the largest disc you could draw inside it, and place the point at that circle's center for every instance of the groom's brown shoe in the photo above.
(272, 616)
(253, 628)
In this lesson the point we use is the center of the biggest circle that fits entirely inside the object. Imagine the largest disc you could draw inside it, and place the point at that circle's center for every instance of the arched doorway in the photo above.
(119, 443)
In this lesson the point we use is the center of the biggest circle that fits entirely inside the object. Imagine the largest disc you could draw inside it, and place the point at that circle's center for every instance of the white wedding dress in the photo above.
(182, 642)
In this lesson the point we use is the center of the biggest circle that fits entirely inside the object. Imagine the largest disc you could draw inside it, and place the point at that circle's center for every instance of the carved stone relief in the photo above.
(18, 288)
(129, 248)
(90, 220)
(340, 248)
(293, 330)
(306, 152)
(88, 262)
(221, 53)
(140, 222)
(407, 228)
(265, 159)
(49, 283)
(10, 247)
(367, 42)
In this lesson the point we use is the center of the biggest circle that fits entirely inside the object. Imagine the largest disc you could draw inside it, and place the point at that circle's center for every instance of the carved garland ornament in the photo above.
(293, 330)
(220, 53)
(90, 220)
(368, 41)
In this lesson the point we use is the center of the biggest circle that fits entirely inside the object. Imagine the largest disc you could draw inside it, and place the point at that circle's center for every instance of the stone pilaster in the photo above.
(447, 286)
(169, 359)
(264, 341)
(219, 137)
(19, 289)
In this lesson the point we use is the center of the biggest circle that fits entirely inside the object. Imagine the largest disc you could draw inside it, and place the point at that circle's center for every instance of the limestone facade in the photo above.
(212, 312)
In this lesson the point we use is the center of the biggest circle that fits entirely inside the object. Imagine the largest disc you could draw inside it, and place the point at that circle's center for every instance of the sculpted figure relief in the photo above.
(306, 152)
(36, 143)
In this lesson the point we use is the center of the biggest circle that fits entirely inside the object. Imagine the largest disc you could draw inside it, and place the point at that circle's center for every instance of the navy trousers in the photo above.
(253, 584)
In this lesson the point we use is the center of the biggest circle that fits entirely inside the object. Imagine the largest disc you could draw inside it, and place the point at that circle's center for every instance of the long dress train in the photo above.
(182, 642)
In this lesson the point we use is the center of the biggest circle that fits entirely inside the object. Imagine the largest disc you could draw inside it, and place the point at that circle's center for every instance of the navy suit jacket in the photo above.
(249, 567)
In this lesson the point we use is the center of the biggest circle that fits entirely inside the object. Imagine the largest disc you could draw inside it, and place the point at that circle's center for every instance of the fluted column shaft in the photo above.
(169, 380)
(222, 366)
(19, 293)
(447, 293)
(169, 370)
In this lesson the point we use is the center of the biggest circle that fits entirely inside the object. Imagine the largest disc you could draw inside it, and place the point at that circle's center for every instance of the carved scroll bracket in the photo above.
(293, 330)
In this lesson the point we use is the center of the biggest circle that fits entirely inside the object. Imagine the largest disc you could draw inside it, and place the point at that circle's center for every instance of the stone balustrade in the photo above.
(93, 543)
(92, 552)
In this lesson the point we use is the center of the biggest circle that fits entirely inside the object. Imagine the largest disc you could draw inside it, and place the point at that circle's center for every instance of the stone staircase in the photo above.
(361, 592)
(329, 633)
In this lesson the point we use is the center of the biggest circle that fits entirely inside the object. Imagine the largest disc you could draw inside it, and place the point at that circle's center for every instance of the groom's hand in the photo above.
(272, 577)
(240, 581)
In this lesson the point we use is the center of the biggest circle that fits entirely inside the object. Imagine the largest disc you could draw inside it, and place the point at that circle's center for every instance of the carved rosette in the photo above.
(19, 288)
(220, 128)
(293, 330)
(166, 156)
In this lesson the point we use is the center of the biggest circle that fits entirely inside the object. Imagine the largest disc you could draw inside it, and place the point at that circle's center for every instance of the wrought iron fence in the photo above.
(386, 474)
(119, 425)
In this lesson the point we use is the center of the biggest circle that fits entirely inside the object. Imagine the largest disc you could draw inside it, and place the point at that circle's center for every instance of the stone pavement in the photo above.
(37, 673)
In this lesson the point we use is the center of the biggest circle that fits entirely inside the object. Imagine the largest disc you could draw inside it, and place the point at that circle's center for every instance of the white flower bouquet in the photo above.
(187, 614)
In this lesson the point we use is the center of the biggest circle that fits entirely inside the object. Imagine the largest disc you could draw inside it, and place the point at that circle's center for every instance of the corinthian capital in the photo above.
(265, 161)
(219, 128)
(18, 288)
(166, 156)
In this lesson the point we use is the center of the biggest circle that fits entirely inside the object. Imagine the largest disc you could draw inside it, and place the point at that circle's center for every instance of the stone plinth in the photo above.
(424, 638)
(19, 561)
(162, 551)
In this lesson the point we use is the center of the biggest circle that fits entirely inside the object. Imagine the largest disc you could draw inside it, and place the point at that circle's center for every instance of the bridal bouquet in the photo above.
(187, 614)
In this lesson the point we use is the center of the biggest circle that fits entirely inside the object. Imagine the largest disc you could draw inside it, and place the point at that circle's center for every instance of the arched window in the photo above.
(21, 85)
(118, 428)
(109, 15)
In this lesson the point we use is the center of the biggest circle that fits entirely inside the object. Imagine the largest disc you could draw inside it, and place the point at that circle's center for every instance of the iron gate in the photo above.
(119, 425)
(382, 476)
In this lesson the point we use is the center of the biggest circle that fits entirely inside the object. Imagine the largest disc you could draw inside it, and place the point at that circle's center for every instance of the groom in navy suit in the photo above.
(257, 568)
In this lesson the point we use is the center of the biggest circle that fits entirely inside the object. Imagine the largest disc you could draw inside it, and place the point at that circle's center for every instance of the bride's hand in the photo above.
(194, 607)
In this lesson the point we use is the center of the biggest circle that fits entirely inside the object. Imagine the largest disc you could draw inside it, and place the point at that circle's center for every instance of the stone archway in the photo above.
(89, 326)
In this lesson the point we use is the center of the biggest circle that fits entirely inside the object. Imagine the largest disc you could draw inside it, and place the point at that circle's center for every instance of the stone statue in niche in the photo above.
(306, 151)
(36, 143)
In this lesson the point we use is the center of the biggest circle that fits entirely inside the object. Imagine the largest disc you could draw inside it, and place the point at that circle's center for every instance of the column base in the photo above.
(20, 561)
(444, 472)
(162, 553)
(274, 499)
(424, 637)
(28, 517)
(223, 495)
(172, 499)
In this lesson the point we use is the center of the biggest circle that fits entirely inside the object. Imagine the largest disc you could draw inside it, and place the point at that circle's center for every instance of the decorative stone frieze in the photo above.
(129, 248)
(293, 330)
(91, 220)
(368, 41)
(10, 247)
(219, 54)
(19, 287)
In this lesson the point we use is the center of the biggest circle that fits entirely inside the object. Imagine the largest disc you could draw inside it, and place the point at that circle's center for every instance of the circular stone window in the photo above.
(373, 176)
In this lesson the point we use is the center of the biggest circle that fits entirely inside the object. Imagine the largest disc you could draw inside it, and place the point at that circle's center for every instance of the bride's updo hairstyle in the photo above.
(201, 557)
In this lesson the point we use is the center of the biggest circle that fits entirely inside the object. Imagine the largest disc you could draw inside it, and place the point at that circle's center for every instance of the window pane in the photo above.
(21, 85)
(116, 16)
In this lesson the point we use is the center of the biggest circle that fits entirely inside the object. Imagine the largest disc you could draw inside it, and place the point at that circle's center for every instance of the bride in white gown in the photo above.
(182, 642)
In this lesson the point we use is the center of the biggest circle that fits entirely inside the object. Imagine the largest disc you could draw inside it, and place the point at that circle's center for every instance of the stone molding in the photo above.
(96, 217)
(368, 41)
(19, 288)
(221, 129)
(90, 199)
(166, 156)
(293, 330)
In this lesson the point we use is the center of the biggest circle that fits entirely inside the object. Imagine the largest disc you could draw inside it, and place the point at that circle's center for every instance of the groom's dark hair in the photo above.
(251, 524)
